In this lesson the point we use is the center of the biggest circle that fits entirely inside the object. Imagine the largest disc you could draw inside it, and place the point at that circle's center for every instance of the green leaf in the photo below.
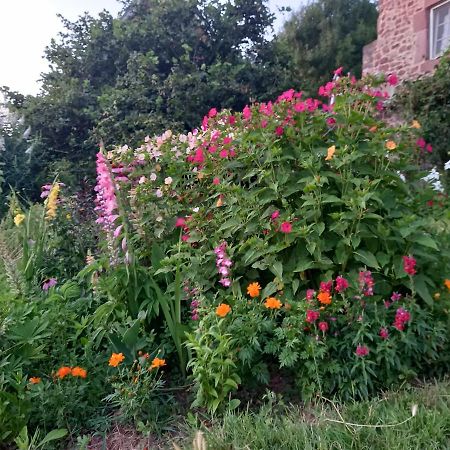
(426, 241)
(367, 258)
(234, 403)
(54, 435)
(422, 289)
(277, 270)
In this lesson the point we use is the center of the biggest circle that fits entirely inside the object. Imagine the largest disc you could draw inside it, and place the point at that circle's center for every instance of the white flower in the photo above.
(153, 177)
(196, 210)
(142, 180)
(159, 219)
(447, 165)
(401, 176)
(168, 180)
(159, 193)
(433, 179)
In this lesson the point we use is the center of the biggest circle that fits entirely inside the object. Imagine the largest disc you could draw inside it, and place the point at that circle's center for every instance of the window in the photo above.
(439, 29)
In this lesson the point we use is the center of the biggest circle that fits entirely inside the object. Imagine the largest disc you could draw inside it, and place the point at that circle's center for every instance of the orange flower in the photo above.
(156, 363)
(272, 303)
(116, 359)
(330, 153)
(415, 124)
(35, 380)
(373, 129)
(253, 289)
(79, 372)
(223, 309)
(324, 298)
(447, 284)
(391, 145)
(63, 372)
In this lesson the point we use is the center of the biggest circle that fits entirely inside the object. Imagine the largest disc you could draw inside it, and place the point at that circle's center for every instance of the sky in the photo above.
(27, 26)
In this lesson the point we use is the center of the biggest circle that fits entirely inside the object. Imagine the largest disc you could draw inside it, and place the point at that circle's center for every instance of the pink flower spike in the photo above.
(429, 148)
(312, 316)
(338, 71)
(225, 282)
(421, 143)
(117, 231)
(341, 284)
(212, 112)
(384, 333)
(310, 294)
(247, 113)
(216, 181)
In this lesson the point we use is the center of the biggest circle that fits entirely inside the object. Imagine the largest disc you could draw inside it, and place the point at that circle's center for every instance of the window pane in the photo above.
(441, 31)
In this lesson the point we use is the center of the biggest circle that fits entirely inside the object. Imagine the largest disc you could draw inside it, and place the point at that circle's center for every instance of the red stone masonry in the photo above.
(403, 43)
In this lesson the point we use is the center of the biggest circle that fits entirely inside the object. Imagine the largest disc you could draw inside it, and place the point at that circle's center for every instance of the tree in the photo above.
(325, 35)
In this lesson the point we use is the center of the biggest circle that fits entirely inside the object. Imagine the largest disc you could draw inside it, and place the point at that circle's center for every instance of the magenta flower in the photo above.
(310, 294)
(341, 284)
(279, 131)
(286, 227)
(312, 316)
(247, 113)
(180, 222)
(326, 286)
(421, 143)
(323, 326)
(392, 79)
(366, 282)
(384, 333)
(409, 265)
(212, 112)
(338, 71)
(402, 316)
(362, 350)
(275, 215)
(395, 297)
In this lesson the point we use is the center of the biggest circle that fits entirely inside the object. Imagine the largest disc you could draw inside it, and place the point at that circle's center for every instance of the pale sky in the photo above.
(27, 26)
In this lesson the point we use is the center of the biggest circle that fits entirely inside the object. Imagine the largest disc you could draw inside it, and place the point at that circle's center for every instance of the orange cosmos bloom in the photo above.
(116, 359)
(63, 372)
(253, 289)
(156, 363)
(324, 298)
(35, 380)
(447, 284)
(391, 145)
(330, 153)
(223, 309)
(79, 372)
(272, 303)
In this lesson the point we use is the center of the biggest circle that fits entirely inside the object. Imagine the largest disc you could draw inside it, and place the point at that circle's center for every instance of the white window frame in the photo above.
(433, 55)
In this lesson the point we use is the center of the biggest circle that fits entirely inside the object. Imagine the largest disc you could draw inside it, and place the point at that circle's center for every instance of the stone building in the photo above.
(412, 35)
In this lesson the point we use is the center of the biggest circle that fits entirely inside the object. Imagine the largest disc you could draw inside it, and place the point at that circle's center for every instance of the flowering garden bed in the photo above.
(298, 240)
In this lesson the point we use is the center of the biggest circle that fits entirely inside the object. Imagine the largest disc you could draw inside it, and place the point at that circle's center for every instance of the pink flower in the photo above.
(310, 294)
(279, 131)
(366, 282)
(275, 215)
(421, 143)
(185, 237)
(212, 149)
(395, 297)
(212, 112)
(286, 227)
(216, 181)
(338, 71)
(225, 282)
(205, 123)
(331, 121)
(323, 326)
(247, 113)
(341, 284)
(300, 107)
(409, 264)
(49, 284)
(180, 222)
(387, 304)
(362, 350)
(199, 157)
(231, 120)
(312, 316)
(223, 154)
(429, 148)
(326, 286)
(384, 333)
(392, 79)
(402, 316)
(264, 123)
(379, 106)
(227, 140)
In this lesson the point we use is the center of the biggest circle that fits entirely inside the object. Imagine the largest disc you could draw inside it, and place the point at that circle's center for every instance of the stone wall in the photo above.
(402, 46)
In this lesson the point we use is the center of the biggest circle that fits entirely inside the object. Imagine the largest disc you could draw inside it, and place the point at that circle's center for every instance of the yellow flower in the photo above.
(391, 145)
(68, 216)
(52, 202)
(437, 296)
(223, 309)
(253, 289)
(272, 303)
(416, 124)
(330, 153)
(18, 219)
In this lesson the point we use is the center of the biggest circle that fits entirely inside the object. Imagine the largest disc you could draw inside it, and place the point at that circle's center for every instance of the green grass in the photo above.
(284, 427)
